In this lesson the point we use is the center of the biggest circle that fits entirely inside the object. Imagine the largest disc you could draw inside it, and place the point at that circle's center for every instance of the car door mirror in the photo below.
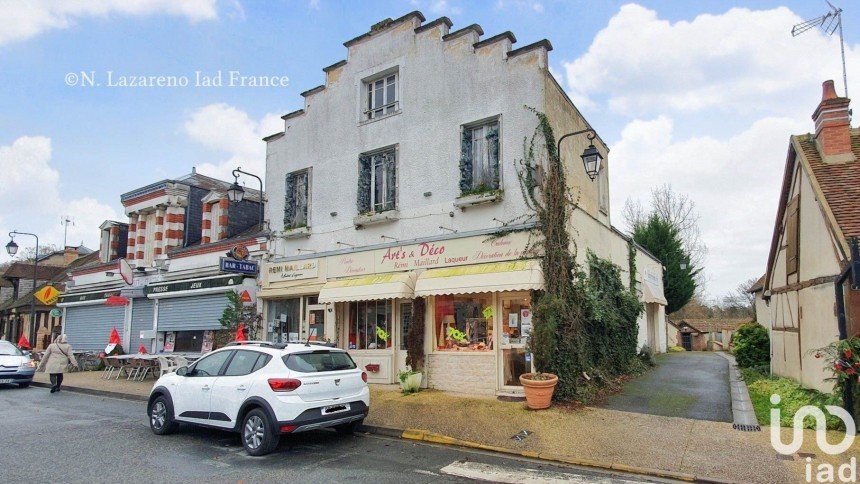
(182, 371)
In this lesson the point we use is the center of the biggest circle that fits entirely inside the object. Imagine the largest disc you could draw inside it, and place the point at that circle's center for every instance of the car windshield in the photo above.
(319, 361)
(7, 349)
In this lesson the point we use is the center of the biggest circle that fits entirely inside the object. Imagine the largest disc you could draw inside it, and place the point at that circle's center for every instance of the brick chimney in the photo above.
(832, 126)
(69, 254)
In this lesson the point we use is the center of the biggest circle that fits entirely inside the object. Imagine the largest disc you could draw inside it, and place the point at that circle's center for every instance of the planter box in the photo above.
(478, 199)
(375, 218)
(296, 233)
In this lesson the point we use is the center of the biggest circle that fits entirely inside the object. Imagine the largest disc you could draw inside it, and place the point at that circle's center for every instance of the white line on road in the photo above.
(487, 472)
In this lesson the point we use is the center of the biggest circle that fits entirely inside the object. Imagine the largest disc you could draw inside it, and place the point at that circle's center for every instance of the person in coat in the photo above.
(56, 359)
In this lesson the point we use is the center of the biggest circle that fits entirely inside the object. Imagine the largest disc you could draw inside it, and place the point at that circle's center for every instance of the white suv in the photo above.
(263, 390)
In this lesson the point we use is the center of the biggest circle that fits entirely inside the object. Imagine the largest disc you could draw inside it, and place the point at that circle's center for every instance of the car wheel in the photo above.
(258, 434)
(161, 416)
(23, 385)
(349, 428)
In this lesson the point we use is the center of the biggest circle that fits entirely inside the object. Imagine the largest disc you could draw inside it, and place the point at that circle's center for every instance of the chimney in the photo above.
(69, 255)
(832, 126)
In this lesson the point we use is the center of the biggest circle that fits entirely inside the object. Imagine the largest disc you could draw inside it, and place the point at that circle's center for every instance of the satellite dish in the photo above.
(125, 272)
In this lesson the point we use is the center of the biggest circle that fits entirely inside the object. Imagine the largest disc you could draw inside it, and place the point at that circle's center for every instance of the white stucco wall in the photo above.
(443, 85)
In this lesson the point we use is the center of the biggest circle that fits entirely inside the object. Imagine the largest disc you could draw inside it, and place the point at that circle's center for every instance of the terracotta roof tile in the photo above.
(711, 325)
(840, 183)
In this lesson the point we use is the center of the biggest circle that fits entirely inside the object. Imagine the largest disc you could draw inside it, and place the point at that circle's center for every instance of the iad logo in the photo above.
(825, 472)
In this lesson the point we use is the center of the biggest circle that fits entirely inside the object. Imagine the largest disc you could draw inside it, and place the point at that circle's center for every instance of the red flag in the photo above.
(114, 337)
(142, 349)
(24, 343)
(240, 332)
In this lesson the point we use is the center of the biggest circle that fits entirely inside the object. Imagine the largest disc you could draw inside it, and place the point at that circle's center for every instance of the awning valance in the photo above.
(289, 291)
(368, 288)
(653, 293)
(519, 275)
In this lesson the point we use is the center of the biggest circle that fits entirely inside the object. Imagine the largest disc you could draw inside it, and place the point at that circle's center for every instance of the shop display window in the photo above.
(370, 324)
(285, 319)
(464, 323)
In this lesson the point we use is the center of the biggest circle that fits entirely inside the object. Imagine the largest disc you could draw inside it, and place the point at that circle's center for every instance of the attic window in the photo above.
(381, 96)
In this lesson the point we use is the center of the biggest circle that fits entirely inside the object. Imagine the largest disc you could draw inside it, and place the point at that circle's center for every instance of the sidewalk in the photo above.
(656, 445)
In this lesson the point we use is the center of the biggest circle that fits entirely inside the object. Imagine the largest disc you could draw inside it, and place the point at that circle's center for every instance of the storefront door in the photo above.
(313, 327)
(515, 326)
(404, 322)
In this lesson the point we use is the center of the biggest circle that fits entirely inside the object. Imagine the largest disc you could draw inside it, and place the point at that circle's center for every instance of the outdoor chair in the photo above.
(122, 366)
(168, 365)
(110, 367)
(133, 368)
(147, 367)
(180, 360)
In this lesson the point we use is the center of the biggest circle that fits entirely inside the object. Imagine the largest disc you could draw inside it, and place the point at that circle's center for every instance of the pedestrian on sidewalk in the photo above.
(56, 360)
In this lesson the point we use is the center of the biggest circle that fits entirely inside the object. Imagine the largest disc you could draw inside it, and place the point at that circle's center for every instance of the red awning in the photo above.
(116, 301)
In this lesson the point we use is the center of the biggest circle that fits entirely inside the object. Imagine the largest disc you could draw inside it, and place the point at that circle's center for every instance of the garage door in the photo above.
(88, 327)
(191, 313)
(142, 311)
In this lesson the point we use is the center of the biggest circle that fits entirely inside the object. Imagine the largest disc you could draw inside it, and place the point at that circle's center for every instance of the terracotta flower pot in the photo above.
(538, 392)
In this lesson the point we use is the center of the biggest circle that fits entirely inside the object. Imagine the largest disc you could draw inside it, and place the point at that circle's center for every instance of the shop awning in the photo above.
(367, 288)
(519, 275)
(653, 293)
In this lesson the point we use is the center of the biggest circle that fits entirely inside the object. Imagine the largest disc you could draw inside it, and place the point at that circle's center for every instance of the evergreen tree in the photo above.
(237, 312)
(664, 241)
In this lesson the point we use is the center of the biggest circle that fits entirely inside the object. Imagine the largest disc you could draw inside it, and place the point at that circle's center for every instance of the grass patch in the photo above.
(793, 397)
(676, 349)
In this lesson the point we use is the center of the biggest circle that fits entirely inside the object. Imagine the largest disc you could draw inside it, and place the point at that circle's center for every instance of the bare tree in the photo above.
(680, 212)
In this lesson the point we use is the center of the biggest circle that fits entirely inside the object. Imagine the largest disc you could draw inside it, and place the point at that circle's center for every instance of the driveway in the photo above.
(689, 385)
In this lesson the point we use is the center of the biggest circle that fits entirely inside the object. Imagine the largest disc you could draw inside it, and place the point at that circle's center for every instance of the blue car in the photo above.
(15, 366)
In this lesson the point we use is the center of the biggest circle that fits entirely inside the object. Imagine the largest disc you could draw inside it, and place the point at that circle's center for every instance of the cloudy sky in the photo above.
(702, 95)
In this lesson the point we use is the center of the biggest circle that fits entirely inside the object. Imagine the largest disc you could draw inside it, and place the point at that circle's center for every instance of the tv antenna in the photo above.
(829, 23)
(65, 221)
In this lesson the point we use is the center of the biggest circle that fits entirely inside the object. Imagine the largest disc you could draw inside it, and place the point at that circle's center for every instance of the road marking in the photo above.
(487, 472)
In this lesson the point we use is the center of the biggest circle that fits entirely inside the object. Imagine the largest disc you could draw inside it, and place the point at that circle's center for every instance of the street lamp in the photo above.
(12, 249)
(590, 157)
(236, 193)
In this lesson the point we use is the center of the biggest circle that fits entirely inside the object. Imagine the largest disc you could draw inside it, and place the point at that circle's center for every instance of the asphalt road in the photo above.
(693, 385)
(69, 437)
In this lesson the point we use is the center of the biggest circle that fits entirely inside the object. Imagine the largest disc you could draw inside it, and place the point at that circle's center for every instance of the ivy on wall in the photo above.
(466, 161)
(289, 200)
(585, 325)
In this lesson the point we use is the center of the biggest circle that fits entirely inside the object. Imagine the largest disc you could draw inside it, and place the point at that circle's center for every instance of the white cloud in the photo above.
(443, 7)
(22, 20)
(536, 7)
(30, 198)
(734, 181)
(228, 130)
(743, 61)
(314, 4)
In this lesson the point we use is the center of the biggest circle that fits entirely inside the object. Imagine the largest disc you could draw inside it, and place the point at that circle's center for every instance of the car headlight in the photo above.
(28, 365)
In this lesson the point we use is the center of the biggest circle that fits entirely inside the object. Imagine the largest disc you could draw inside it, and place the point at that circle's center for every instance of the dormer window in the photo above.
(381, 96)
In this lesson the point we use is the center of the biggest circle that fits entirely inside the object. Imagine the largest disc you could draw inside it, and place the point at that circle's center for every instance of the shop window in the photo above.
(479, 158)
(380, 96)
(377, 182)
(285, 319)
(296, 200)
(464, 323)
(191, 341)
(370, 325)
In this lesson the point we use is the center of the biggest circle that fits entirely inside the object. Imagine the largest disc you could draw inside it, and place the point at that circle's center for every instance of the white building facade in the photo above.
(399, 180)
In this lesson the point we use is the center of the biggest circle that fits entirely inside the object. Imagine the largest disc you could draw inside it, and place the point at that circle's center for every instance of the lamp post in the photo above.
(12, 249)
(590, 156)
(236, 193)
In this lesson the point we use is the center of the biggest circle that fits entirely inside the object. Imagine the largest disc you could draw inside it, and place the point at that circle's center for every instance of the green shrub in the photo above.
(752, 345)
(646, 354)
(676, 349)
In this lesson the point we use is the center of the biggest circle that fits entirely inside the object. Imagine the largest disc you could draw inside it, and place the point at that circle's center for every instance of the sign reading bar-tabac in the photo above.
(426, 255)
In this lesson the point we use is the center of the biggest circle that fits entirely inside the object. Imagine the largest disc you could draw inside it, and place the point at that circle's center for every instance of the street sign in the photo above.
(238, 266)
(56, 313)
(246, 297)
(47, 295)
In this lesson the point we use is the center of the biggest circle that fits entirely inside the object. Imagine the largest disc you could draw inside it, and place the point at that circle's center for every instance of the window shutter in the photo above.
(792, 235)
(363, 200)
(493, 142)
(466, 160)
(289, 200)
(391, 181)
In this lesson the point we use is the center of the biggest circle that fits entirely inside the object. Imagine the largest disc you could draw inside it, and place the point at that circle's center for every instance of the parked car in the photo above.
(15, 365)
(263, 390)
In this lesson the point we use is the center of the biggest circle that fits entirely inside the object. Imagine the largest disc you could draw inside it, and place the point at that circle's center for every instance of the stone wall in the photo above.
(462, 373)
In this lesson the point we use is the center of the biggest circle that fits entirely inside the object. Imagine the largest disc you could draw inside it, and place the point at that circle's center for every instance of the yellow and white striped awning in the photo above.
(368, 288)
(518, 275)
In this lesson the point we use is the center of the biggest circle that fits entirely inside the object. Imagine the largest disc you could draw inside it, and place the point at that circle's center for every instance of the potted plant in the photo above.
(410, 381)
(540, 385)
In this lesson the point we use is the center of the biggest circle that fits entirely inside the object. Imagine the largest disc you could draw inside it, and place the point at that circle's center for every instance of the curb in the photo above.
(96, 393)
(424, 436)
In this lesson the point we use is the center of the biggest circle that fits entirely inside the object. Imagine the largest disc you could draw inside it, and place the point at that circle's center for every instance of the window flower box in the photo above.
(364, 219)
(296, 232)
(493, 196)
